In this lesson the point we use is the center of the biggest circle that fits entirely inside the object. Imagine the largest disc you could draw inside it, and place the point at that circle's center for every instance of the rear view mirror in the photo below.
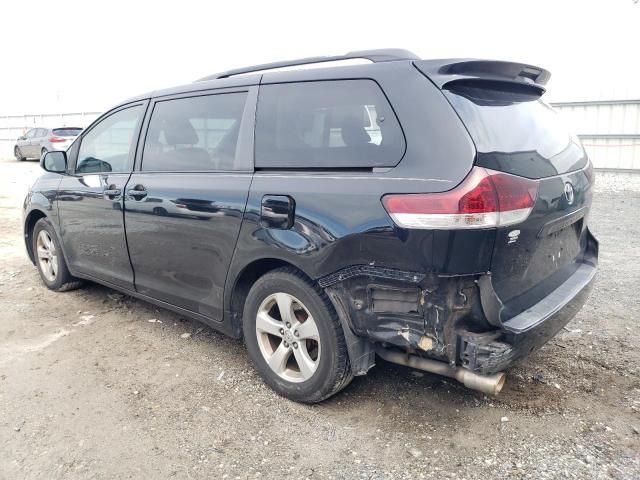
(55, 162)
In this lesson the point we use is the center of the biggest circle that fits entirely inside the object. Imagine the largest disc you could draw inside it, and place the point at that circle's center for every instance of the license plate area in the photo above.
(563, 223)
(560, 247)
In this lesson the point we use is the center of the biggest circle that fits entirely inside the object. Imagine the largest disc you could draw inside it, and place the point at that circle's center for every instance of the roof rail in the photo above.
(381, 55)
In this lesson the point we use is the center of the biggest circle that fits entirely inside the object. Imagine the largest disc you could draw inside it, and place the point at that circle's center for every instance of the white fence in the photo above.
(610, 130)
(13, 126)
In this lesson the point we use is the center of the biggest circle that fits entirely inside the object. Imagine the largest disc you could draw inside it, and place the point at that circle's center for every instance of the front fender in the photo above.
(40, 202)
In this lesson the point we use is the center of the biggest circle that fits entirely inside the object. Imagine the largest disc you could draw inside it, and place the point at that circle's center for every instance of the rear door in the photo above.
(516, 133)
(28, 150)
(90, 199)
(39, 141)
(185, 202)
(34, 151)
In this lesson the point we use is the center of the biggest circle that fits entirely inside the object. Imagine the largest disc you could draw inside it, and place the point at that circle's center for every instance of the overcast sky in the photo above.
(62, 56)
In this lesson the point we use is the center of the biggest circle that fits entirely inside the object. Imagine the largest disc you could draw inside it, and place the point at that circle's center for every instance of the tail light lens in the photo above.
(57, 139)
(485, 199)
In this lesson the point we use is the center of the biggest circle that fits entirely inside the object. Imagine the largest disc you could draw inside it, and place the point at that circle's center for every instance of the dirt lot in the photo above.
(97, 385)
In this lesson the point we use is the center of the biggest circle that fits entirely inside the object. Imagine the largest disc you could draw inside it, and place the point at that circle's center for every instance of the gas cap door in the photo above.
(278, 211)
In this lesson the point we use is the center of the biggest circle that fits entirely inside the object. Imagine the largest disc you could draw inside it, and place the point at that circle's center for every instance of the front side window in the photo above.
(326, 124)
(107, 146)
(194, 133)
(31, 133)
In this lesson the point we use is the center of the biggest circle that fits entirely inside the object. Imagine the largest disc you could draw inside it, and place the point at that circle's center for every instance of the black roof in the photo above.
(439, 71)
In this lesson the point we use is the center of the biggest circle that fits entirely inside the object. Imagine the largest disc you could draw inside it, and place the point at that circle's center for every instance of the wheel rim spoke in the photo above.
(279, 358)
(43, 252)
(265, 323)
(308, 330)
(49, 269)
(305, 363)
(54, 265)
(285, 305)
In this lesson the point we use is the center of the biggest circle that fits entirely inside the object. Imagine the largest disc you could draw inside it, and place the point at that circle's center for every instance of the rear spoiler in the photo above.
(442, 72)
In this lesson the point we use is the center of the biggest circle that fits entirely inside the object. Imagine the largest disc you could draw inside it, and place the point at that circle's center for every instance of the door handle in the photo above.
(138, 192)
(112, 193)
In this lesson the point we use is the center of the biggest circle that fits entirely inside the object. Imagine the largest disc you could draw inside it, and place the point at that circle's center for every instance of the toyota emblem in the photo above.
(568, 193)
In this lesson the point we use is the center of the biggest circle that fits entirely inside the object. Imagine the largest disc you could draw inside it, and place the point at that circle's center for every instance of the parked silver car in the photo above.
(38, 141)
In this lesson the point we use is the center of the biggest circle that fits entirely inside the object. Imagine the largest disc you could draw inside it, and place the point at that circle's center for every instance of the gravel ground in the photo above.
(94, 384)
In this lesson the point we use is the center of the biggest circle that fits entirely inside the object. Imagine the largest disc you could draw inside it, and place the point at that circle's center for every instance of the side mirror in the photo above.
(55, 162)
(22, 137)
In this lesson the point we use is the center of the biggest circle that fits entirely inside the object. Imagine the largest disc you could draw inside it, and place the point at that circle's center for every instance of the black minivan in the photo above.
(430, 212)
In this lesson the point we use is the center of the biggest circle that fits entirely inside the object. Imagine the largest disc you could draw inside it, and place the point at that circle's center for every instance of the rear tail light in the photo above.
(57, 139)
(485, 199)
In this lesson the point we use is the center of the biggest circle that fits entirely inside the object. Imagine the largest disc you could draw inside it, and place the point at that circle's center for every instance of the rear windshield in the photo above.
(514, 131)
(67, 132)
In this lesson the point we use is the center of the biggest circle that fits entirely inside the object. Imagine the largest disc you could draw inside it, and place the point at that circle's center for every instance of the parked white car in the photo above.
(38, 141)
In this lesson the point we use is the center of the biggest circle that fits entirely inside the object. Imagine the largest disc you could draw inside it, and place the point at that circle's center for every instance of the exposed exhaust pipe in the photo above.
(489, 384)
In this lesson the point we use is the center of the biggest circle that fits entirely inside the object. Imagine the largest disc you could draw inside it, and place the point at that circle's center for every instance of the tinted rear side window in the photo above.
(194, 133)
(514, 131)
(326, 124)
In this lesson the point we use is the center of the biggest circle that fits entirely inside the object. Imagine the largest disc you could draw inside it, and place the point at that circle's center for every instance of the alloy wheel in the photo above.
(288, 337)
(47, 256)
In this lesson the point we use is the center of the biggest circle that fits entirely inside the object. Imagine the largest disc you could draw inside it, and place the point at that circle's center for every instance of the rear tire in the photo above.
(50, 260)
(18, 154)
(301, 355)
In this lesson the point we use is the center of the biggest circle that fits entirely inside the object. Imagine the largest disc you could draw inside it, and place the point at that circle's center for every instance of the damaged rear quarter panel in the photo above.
(417, 312)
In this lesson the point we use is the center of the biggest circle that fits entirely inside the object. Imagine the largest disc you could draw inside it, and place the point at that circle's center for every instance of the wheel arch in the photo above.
(360, 350)
(240, 285)
(29, 224)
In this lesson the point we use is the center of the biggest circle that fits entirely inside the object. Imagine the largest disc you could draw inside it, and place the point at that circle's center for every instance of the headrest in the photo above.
(179, 131)
(353, 131)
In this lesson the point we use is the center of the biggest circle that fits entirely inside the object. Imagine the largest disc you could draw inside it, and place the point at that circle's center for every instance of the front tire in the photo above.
(294, 337)
(50, 260)
(18, 154)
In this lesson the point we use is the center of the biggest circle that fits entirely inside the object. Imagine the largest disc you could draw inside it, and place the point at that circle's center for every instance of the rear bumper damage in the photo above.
(455, 320)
